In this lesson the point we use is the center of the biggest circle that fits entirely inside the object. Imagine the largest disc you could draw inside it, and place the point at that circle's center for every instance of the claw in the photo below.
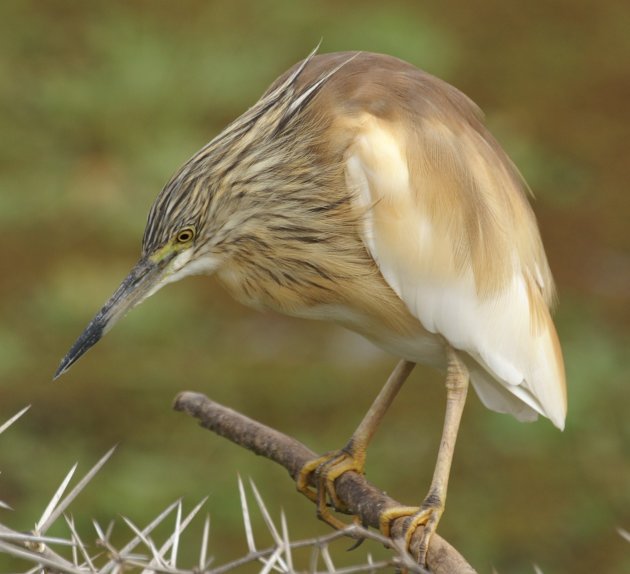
(429, 518)
(303, 483)
(390, 515)
(327, 469)
(427, 515)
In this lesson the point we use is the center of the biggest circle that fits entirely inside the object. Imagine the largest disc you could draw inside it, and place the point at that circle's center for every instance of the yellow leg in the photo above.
(432, 507)
(332, 465)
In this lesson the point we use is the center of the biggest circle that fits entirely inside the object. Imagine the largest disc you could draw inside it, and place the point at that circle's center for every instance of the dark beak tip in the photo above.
(62, 368)
(88, 339)
(60, 371)
(143, 275)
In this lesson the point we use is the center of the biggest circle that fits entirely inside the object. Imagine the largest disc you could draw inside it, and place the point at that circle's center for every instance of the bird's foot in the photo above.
(326, 469)
(427, 515)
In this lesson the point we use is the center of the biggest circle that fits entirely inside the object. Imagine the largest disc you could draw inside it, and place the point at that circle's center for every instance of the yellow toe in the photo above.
(327, 469)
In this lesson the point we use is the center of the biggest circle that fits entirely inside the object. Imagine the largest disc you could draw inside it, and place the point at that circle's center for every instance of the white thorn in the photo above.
(45, 523)
(15, 417)
(131, 545)
(249, 531)
(265, 514)
(327, 558)
(48, 512)
(79, 543)
(285, 539)
(176, 535)
(205, 540)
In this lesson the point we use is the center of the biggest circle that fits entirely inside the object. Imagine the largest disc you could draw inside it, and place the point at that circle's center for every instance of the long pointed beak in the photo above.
(143, 280)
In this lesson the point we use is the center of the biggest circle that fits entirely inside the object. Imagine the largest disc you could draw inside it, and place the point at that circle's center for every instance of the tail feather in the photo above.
(542, 389)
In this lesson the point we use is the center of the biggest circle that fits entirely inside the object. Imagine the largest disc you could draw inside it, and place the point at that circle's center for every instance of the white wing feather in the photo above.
(513, 363)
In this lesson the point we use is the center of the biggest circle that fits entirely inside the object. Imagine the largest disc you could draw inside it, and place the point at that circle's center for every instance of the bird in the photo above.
(364, 191)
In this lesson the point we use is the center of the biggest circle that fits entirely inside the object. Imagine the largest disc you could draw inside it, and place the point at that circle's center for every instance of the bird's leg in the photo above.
(332, 465)
(431, 509)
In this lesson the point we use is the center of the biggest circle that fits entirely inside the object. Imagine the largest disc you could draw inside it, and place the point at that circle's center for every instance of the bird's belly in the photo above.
(411, 341)
(363, 303)
(426, 349)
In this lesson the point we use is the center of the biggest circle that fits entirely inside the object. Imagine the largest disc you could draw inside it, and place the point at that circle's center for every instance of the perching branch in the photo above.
(360, 497)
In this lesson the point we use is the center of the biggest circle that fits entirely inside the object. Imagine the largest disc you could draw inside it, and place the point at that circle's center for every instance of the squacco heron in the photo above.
(362, 190)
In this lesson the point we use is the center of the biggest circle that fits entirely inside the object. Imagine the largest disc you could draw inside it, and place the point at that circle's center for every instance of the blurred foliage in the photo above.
(102, 101)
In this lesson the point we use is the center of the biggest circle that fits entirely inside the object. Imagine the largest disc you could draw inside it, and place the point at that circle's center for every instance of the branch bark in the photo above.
(360, 497)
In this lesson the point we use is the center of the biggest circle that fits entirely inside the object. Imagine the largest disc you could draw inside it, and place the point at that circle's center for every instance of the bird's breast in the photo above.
(366, 306)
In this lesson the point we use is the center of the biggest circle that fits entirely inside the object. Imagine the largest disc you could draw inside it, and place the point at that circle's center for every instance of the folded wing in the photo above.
(450, 227)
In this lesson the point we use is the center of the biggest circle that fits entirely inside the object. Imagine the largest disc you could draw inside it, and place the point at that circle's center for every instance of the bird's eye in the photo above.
(185, 235)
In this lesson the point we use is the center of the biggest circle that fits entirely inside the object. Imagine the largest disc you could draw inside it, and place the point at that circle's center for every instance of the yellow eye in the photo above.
(185, 235)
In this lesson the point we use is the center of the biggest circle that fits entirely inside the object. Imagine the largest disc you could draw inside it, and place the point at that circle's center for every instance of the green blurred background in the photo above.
(100, 103)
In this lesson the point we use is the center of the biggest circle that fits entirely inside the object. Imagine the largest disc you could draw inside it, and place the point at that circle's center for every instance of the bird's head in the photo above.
(177, 242)
(217, 197)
